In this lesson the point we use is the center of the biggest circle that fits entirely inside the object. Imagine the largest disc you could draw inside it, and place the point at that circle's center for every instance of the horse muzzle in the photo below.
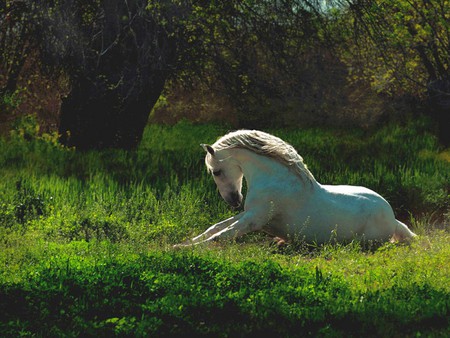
(234, 199)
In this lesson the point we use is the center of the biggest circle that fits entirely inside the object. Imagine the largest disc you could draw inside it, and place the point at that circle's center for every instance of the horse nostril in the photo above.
(235, 199)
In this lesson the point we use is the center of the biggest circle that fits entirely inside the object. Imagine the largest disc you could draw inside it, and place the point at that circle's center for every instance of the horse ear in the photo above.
(208, 148)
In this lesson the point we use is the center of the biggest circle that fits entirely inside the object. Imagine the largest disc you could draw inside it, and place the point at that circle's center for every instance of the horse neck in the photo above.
(258, 168)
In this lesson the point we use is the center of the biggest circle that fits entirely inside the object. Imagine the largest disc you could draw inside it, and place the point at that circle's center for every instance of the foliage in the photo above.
(117, 56)
(16, 43)
(403, 45)
(279, 62)
(100, 289)
(403, 49)
(86, 241)
(114, 55)
(262, 56)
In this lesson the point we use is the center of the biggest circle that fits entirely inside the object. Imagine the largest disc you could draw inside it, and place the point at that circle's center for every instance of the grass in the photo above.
(86, 242)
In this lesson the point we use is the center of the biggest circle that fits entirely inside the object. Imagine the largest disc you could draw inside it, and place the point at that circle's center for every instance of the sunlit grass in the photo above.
(86, 241)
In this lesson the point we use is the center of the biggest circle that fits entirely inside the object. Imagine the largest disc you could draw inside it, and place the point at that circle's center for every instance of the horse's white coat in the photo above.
(284, 200)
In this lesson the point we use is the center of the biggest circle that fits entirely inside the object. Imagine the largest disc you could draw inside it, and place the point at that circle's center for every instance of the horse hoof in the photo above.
(280, 242)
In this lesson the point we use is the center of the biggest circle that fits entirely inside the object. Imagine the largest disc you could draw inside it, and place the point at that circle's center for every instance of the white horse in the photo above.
(284, 199)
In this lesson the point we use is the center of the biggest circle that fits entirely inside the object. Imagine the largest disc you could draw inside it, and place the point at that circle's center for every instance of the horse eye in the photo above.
(217, 173)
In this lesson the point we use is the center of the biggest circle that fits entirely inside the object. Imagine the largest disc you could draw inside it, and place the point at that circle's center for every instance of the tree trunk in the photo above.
(104, 120)
(116, 79)
(439, 97)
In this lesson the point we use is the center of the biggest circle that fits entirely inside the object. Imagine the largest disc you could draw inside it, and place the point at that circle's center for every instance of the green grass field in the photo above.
(86, 242)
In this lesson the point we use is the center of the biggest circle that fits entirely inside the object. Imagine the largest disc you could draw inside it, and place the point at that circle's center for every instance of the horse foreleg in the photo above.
(245, 224)
(211, 231)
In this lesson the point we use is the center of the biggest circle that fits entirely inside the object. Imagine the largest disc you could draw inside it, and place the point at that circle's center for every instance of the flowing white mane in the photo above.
(267, 145)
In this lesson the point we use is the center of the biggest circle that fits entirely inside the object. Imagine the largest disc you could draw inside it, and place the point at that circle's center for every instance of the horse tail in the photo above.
(402, 233)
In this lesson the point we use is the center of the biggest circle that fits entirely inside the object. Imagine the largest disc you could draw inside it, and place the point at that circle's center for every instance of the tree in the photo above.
(262, 55)
(114, 54)
(118, 54)
(403, 48)
(16, 42)
(251, 51)
(117, 58)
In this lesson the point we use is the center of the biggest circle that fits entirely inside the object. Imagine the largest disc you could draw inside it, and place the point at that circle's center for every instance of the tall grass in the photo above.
(85, 241)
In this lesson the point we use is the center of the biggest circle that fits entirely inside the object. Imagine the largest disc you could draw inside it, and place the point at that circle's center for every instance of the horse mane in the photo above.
(267, 145)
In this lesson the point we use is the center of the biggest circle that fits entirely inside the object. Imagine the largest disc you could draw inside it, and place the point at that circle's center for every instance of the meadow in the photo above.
(86, 241)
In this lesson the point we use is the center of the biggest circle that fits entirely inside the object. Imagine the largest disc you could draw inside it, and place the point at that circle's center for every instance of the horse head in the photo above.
(227, 174)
